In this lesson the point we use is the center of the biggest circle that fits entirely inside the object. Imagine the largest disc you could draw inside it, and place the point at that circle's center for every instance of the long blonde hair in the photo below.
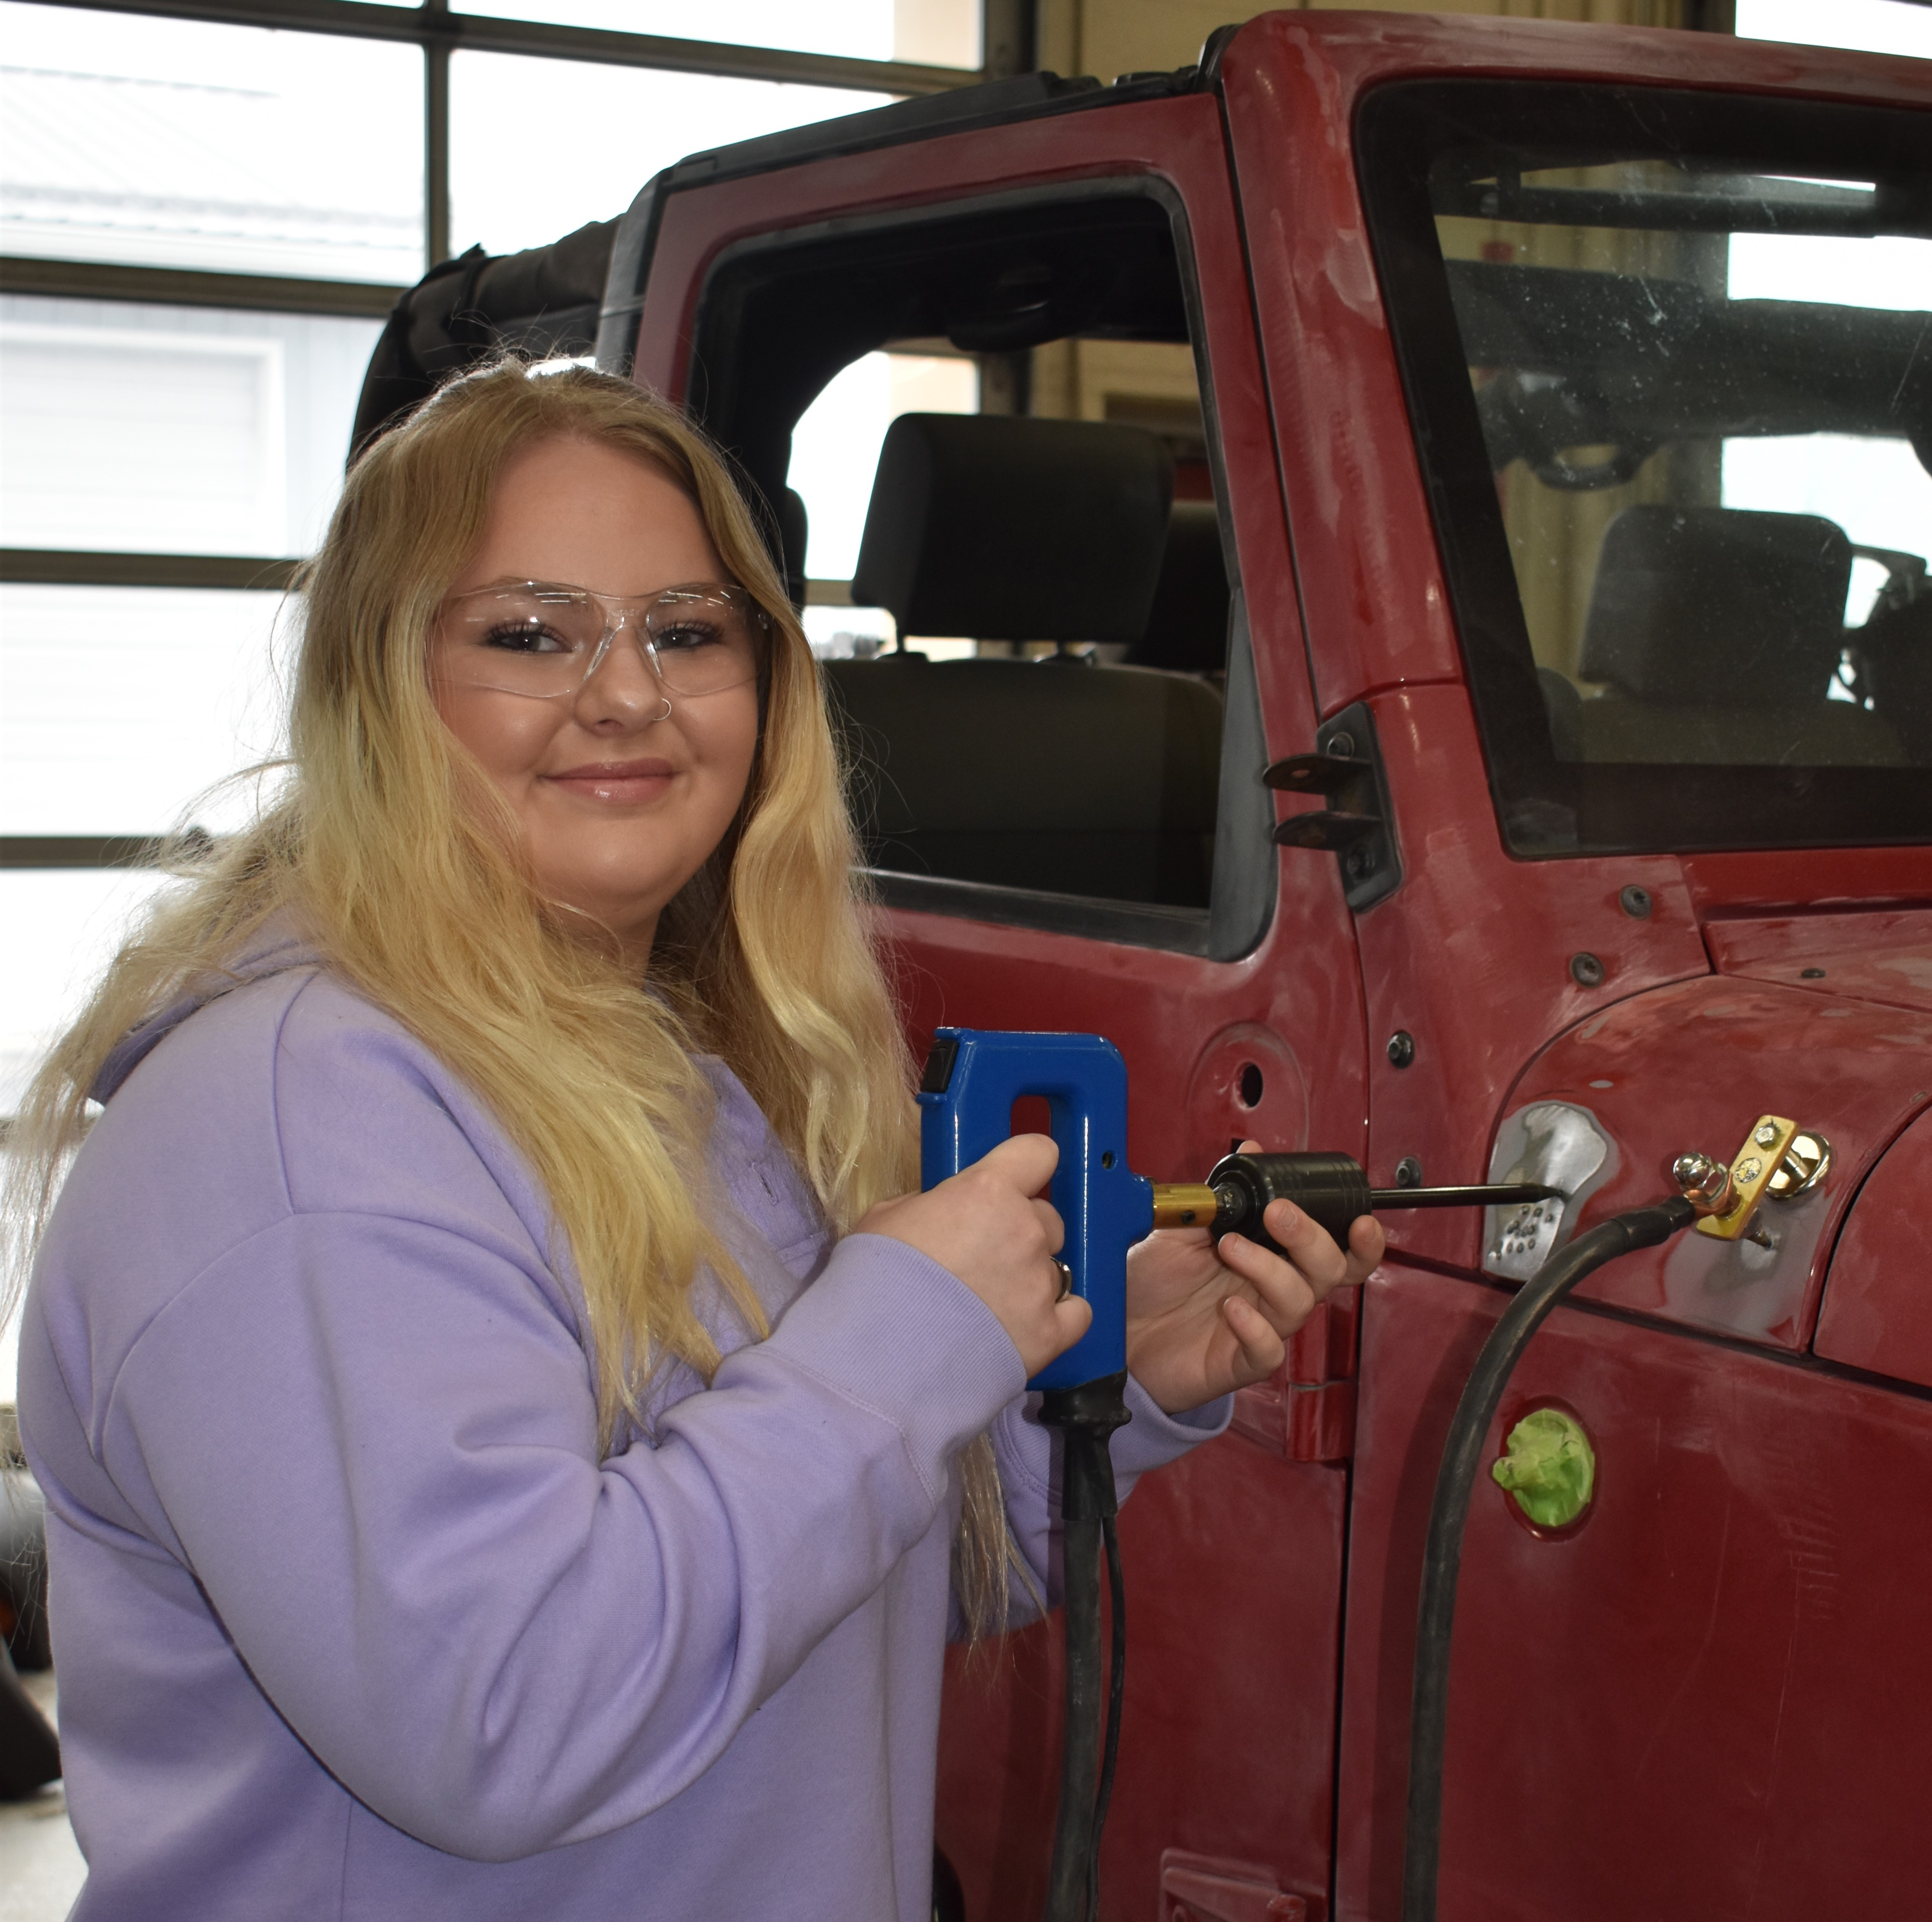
(393, 854)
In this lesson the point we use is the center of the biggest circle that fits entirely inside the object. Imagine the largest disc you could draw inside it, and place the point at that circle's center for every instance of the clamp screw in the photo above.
(1765, 1135)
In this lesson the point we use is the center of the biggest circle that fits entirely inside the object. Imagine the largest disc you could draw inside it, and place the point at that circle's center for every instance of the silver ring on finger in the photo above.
(1066, 1280)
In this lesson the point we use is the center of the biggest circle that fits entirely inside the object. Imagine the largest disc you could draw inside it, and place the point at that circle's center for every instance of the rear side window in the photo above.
(1669, 354)
(982, 434)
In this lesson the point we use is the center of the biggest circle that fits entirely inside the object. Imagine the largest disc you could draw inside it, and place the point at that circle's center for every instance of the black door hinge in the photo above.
(1359, 827)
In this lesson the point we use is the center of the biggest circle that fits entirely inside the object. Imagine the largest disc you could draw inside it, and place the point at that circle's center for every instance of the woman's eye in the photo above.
(526, 638)
(685, 636)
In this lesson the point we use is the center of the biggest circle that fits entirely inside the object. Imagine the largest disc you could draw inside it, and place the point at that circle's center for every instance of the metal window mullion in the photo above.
(85, 850)
(48, 277)
(435, 140)
(542, 40)
(81, 567)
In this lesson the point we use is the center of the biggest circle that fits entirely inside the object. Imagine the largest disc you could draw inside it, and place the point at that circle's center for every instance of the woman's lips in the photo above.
(617, 781)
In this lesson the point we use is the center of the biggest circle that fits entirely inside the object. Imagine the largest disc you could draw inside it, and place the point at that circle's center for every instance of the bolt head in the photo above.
(1765, 1135)
(1702, 1180)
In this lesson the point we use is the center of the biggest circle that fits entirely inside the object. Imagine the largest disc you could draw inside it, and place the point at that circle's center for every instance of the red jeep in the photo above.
(1525, 428)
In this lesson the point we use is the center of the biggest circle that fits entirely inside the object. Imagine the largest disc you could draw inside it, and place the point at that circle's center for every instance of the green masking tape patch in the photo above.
(1550, 1467)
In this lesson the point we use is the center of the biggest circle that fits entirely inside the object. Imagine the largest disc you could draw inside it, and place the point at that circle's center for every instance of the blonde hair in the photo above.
(398, 861)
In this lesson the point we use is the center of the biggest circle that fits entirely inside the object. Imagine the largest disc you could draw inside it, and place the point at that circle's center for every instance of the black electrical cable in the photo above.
(1086, 1416)
(1116, 1686)
(1462, 1457)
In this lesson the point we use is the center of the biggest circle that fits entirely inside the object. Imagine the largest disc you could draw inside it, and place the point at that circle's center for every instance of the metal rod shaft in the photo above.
(1499, 1195)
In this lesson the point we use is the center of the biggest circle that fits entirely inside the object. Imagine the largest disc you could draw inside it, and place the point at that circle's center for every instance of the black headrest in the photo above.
(1004, 528)
(793, 527)
(1717, 606)
(1187, 625)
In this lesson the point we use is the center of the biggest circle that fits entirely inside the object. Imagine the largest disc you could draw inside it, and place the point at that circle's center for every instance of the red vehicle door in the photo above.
(1238, 1010)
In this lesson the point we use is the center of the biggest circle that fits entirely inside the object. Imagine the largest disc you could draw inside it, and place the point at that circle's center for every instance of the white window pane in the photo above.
(624, 123)
(835, 447)
(67, 923)
(161, 429)
(123, 704)
(1877, 26)
(936, 33)
(174, 143)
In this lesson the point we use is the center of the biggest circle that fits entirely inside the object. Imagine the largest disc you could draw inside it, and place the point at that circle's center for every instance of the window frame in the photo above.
(1644, 807)
(1244, 885)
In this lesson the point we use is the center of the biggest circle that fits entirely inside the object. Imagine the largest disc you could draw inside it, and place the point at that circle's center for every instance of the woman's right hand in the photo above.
(984, 1224)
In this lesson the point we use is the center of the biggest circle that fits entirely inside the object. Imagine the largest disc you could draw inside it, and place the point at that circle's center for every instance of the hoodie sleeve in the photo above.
(373, 1441)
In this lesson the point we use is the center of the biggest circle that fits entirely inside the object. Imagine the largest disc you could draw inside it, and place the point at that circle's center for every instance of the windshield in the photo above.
(1673, 362)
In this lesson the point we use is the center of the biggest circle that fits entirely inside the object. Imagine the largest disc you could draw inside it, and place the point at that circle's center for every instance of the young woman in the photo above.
(512, 1444)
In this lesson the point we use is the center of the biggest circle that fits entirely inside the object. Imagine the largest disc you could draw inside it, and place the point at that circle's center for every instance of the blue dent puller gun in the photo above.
(973, 1078)
(966, 1100)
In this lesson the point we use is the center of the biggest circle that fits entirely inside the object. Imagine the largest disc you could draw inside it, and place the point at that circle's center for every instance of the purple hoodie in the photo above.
(351, 1619)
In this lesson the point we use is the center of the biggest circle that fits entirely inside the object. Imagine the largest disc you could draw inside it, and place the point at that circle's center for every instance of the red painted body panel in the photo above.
(1472, 956)
(1810, 879)
(1708, 1699)
(1878, 1295)
(1873, 957)
(1692, 1067)
(1231, 1691)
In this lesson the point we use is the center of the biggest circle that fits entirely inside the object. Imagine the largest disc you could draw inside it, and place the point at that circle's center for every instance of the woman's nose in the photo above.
(622, 687)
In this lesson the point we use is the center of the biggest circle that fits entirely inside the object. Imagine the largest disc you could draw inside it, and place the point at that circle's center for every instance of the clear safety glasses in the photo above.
(544, 640)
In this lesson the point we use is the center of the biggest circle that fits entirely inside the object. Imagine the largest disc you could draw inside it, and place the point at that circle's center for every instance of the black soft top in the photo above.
(581, 294)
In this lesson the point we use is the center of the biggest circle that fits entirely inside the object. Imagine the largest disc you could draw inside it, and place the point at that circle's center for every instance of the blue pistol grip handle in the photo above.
(973, 1078)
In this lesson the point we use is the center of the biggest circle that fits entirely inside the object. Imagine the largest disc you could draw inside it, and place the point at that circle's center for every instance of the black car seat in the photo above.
(1096, 781)
(1896, 643)
(1716, 632)
(1187, 628)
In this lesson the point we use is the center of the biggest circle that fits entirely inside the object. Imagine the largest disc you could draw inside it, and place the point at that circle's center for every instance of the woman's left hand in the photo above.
(1204, 1318)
